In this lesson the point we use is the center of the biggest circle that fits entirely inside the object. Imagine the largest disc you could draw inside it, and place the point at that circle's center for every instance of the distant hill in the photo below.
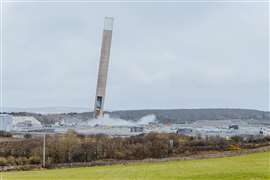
(163, 116)
(47, 110)
(189, 115)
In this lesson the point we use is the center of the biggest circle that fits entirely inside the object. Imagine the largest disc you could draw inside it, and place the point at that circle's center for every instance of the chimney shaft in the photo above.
(103, 67)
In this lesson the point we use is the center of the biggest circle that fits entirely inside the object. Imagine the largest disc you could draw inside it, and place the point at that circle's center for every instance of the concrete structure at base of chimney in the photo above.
(103, 67)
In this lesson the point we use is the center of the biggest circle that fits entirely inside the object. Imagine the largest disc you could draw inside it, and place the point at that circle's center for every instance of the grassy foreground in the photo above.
(252, 166)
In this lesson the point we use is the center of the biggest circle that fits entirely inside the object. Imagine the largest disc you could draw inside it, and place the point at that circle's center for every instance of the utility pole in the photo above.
(44, 150)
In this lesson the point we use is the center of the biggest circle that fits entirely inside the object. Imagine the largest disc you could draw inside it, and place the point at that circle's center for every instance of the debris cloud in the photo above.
(106, 120)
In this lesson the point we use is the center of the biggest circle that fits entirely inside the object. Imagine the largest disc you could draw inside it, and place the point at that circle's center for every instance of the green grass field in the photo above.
(253, 166)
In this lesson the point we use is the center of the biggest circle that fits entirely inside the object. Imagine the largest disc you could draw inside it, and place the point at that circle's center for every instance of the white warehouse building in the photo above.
(5, 122)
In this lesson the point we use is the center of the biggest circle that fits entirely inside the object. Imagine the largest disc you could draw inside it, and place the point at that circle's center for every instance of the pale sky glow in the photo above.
(162, 56)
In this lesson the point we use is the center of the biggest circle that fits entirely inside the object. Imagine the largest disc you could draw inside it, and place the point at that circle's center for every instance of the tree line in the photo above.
(72, 147)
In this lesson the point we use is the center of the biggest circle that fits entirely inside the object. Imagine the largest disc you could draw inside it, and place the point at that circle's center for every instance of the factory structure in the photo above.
(103, 67)
(202, 128)
(5, 122)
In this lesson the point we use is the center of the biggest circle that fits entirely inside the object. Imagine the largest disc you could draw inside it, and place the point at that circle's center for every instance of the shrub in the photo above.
(22, 161)
(34, 160)
(237, 138)
(3, 161)
(27, 136)
(234, 147)
(11, 161)
(25, 160)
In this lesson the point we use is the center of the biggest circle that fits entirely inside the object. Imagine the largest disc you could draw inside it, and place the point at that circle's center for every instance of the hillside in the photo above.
(163, 116)
(189, 115)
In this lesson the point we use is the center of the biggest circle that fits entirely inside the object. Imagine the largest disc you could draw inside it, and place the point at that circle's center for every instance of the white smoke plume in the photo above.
(147, 119)
(106, 120)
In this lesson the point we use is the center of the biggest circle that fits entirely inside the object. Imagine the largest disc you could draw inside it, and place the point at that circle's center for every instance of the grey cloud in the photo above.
(162, 57)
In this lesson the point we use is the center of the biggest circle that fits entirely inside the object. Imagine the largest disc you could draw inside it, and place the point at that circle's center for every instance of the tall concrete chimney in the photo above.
(103, 67)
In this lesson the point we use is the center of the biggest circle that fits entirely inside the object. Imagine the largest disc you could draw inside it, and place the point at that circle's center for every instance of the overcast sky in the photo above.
(162, 56)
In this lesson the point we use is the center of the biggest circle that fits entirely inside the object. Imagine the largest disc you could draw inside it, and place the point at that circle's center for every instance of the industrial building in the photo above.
(136, 129)
(184, 131)
(25, 123)
(5, 122)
